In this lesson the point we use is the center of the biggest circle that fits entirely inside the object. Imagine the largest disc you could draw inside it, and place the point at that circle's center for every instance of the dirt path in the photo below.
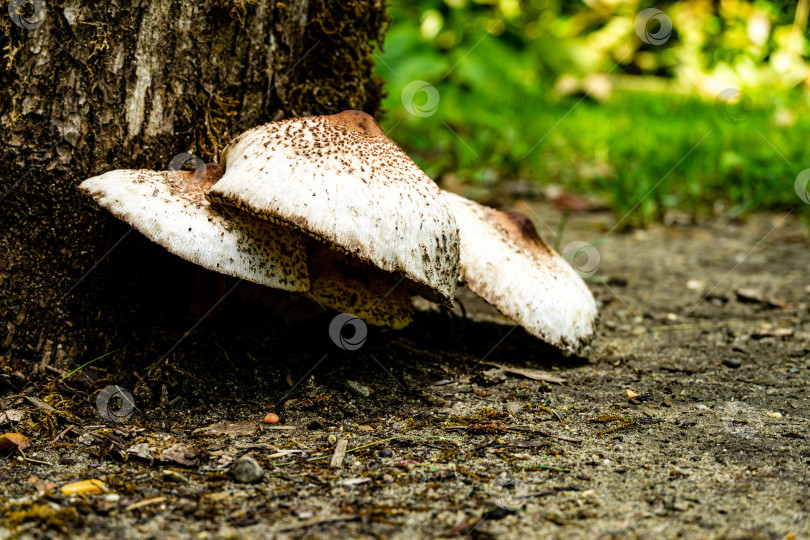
(689, 420)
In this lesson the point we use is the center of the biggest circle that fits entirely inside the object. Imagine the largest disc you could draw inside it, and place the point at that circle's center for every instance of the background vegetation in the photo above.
(708, 116)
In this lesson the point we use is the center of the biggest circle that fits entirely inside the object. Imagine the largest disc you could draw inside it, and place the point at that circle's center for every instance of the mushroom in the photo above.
(504, 261)
(343, 182)
(170, 208)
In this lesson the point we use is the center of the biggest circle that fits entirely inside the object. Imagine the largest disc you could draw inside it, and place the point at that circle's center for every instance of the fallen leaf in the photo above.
(88, 487)
(772, 332)
(353, 481)
(12, 415)
(140, 450)
(13, 440)
(231, 429)
(182, 454)
(534, 374)
(755, 296)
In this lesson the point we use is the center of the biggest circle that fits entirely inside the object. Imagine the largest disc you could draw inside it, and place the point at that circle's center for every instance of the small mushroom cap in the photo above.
(504, 261)
(345, 284)
(341, 180)
(170, 208)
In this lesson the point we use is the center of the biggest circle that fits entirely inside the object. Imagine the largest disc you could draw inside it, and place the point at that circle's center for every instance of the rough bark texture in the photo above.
(131, 84)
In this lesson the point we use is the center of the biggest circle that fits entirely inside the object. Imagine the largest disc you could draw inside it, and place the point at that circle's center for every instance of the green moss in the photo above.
(43, 515)
(344, 34)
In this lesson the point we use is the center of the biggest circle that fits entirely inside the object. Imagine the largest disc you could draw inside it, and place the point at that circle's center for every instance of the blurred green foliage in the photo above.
(705, 115)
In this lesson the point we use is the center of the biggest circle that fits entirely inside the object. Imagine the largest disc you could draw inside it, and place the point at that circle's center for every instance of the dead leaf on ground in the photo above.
(534, 374)
(12, 416)
(140, 450)
(353, 481)
(231, 429)
(13, 440)
(755, 296)
(182, 454)
(772, 332)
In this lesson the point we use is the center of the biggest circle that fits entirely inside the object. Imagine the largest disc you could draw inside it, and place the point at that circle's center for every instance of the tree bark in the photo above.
(90, 87)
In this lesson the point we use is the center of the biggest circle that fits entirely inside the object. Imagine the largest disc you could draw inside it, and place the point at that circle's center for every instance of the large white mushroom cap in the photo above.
(505, 261)
(170, 208)
(341, 180)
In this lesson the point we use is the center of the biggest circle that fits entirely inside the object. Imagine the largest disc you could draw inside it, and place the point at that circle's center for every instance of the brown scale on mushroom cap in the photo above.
(521, 230)
(358, 122)
(340, 179)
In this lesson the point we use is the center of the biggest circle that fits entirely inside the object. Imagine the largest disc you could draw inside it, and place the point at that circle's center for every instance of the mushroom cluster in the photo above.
(330, 206)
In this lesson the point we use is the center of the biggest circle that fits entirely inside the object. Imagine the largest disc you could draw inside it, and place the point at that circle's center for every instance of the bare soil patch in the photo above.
(689, 418)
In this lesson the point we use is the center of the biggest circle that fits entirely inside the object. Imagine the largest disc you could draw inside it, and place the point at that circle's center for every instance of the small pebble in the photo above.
(186, 505)
(794, 370)
(733, 363)
(775, 415)
(358, 389)
(513, 407)
(271, 418)
(331, 439)
(489, 377)
(630, 393)
(386, 452)
(247, 471)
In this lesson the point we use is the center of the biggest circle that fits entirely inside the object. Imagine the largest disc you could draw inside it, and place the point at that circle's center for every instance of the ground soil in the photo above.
(654, 435)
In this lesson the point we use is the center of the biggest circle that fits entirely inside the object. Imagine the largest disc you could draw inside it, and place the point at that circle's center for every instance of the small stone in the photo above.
(630, 393)
(694, 285)
(358, 389)
(331, 439)
(733, 363)
(186, 505)
(490, 377)
(701, 407)
(247, 471)
(386, 452)
(271, 418)
(513, 407)
(86, 439)
(794, 370)
(775, 415)
(388, 478)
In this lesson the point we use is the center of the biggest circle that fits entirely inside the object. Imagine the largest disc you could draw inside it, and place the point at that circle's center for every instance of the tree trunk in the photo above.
(89, 87)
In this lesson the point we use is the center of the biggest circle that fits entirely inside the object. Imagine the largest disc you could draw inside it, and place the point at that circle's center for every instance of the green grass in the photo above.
(640, 151)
